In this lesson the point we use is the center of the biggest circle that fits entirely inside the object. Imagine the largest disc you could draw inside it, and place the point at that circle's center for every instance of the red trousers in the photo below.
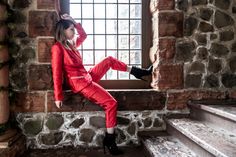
(97, 94)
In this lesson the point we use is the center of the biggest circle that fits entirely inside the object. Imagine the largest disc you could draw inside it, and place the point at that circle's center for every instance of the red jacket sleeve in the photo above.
(82, 35)
(57, 73)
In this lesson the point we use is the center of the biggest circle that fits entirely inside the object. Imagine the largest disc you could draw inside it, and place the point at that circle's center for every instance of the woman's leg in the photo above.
(99, 70)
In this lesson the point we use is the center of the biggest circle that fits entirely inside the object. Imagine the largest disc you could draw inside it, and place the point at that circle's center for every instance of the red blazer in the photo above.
(67, 64)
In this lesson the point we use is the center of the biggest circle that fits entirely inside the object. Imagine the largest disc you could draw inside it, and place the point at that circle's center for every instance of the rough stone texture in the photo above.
(98, 122)
(87, 135)
(40, 77)
(21, 4)
(202, 53)
(205, 27)
(199, 2)
(218, 50)
(41, 23)
(201, 39)
(54, 121)
(46, 4)
(206, 13)
(33, 127)
(196, 67)
(228, 80)
(170, 24)
(51, 138)
(184, 51)
(166, 49)
(222, 4)
(214, 65)
(211, 81)
(182, 5)
(232, 64)
(226, 35)
(165, 4)
(222, 20)
(193, 80)
(44, 49)
(77, 123)
(123, 121)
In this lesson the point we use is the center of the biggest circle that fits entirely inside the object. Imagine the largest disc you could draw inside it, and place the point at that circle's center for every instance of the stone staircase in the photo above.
(209, 130)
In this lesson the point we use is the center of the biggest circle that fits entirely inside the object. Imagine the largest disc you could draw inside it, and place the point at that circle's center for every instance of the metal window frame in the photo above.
(146, 35)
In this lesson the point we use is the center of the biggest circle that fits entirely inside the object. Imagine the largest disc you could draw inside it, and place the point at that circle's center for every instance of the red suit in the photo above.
(68, 63)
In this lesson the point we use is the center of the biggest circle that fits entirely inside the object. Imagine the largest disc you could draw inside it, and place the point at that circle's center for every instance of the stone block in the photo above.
(168, 77)
(170, 24)
(166, 47)
(165, 4)
(40, 77)
(46, 4)
(41, 23)
(178, 100)
(44, 49)
(28, 102)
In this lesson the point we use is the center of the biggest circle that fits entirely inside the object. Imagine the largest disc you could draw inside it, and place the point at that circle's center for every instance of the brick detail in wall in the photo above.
(168, 77)
(178, 100)
(166, 47)
(29, 102)
(44, 49)
(40, 77)
(165, 4)
(170, 24)
(46, 4)
(41, 23)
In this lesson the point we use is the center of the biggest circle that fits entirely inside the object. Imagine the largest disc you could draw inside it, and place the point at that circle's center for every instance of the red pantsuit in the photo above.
(68, 63)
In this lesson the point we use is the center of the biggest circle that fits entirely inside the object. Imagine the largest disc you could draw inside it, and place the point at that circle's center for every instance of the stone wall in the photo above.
(193, 55)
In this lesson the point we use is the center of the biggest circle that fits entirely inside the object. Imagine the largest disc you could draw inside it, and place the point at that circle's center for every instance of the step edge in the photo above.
(198, 141)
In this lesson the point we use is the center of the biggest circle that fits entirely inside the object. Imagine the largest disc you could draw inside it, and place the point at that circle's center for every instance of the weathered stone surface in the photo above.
(233, 47)
(121, 136)
(193, 80)
(234, 9)
(28, 102)
(190, 24)
(202, 53)
(52, 138)
(205, 27)
(33, 127)
(222, 4)
(21, 4)
(147, 122)
(213, 36)
(98, 122)
(201, 39)
(122, 121)
(228, 80)
(170, 24)
(197, 67)
(40, 77)
(214, 65)
(44, 49)
(211, 81)
(54, 121)
(206, 13)
(222, 20)
(184, 51)
(218, 50)
(87, 135)
(46, 4)
(77, 123)
(182, 5)
(41, 23)
(226, 35)
(166, 48)
(199, 2)
(165, 4)
(157, 122)
(132, 129)
(232, 64)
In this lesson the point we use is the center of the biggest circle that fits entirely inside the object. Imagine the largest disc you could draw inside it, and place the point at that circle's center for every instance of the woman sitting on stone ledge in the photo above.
(67, 62)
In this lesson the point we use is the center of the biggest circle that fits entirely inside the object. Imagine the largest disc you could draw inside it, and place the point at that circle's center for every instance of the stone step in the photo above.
(206, 141)
(218, 116)
(161, 144)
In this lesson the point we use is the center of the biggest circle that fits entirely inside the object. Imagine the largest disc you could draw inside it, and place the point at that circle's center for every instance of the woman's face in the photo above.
(70, 32)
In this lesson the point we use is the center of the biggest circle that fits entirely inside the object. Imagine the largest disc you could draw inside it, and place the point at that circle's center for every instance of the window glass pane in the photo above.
(124, 56)
(135, 27)
(99, 56)
(111, 10)
(111, 26)
(111, 1)
(123, 26)
(135, 11)
(75, 10)
(75, 1)
(99, 11)
(99, 26)
(88, 26)
(123, 1)
(123, 11)
(135, 1)
(135, 57)
(88, 57)
(123, 75)
(111, 41)
(135, 41)
(112, 53)
(123, 41)
(87, 1)
(88, 42)
(112, 75)
(99, 41)
(87, 10)
(99, 1)
(88, 67)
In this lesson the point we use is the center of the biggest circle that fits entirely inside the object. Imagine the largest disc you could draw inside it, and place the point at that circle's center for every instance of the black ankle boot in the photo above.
(109, 141)
(140, 72)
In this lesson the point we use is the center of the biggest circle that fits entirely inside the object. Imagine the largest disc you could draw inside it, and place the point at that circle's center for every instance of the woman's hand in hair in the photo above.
(68, 17)
(58, 104)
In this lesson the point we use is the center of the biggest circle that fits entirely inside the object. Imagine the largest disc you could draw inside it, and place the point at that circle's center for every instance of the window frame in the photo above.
(146, 45)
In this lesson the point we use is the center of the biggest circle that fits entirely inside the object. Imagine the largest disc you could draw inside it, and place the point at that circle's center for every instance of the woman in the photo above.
(67, 63)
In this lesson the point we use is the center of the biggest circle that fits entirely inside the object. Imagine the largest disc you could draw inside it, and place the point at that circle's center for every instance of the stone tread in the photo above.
(219, 143)
(167, 146)
(228, 111)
